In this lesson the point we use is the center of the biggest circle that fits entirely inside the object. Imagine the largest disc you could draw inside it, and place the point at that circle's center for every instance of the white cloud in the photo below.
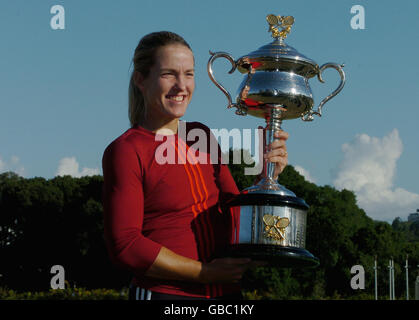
(368, 168)
(12, 165)
(2, 165)
(70, 166)
(304, 173)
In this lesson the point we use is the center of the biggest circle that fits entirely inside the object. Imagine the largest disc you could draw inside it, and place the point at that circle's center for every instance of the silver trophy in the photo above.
(275, 87)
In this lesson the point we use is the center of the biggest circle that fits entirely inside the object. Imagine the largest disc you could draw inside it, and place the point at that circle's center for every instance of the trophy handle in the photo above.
(216, 55)
(309, 115)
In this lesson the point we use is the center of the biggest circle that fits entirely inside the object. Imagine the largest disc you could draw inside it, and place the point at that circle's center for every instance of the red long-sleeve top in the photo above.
(148, 204)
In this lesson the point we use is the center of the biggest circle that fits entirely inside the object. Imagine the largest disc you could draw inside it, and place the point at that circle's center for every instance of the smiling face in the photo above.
(169, 86)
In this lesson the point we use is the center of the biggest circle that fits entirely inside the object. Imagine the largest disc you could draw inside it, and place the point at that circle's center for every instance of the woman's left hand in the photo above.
(278, 152)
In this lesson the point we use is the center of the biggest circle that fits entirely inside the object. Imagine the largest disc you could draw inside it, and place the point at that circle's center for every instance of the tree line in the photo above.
(59, 221)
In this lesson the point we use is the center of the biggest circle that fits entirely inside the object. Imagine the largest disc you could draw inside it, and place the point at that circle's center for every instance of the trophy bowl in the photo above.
(272, 228)
(275, 87)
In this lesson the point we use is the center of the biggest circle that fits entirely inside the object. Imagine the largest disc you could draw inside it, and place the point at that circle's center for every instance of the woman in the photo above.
(165, 222)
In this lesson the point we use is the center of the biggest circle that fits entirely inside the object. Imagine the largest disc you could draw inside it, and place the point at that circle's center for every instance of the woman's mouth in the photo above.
(175, 98)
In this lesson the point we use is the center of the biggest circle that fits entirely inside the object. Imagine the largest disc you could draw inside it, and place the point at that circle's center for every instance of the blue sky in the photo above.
(63, 93)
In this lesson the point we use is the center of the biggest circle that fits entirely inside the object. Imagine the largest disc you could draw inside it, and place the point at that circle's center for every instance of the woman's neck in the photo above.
(161, 126)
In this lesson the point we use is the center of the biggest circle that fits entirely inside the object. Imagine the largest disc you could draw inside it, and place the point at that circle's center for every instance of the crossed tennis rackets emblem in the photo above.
(275, 227)
(285, 23)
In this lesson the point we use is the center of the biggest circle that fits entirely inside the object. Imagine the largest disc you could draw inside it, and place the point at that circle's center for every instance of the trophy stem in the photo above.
(273, 124)
(267, 182)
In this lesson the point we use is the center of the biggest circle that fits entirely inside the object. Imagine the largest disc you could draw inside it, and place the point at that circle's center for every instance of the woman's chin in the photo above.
(177, 111)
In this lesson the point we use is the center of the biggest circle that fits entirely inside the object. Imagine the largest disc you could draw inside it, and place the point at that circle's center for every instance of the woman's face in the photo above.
(169, 86)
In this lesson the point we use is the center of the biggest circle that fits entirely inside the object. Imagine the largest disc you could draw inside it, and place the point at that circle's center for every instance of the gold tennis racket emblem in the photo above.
(276, 22)
(275, 227)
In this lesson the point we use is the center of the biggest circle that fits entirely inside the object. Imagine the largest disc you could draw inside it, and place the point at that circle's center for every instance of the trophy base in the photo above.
(274, 255)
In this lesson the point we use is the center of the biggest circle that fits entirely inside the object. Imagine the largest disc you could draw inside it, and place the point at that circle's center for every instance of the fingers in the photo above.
(239, 266)
(280, 141)
(278, 152)
(281, 135)
(232, 261)
(275, 153)
(238, 261)
(227, 270)
(253, 264)
(278, 147)
(278, 134)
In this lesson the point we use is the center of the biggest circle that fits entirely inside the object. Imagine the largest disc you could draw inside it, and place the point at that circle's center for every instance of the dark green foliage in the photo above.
(59, 222)
(237, 170)
(66, 294)
(53, 222)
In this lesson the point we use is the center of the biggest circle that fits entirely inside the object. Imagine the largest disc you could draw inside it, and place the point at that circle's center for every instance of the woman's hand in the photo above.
(226, 270)
(169, 265)
(278, 152)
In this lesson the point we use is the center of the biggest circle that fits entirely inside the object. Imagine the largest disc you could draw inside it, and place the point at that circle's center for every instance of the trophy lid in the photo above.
(279, 50)
(278, 55)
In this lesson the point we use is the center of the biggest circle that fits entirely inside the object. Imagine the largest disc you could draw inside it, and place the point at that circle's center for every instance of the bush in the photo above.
(66, 294)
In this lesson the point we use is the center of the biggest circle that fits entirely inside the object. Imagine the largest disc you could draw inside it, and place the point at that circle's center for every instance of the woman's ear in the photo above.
(139, 80)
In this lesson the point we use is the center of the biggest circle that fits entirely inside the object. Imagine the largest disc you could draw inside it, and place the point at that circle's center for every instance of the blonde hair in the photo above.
(143, 60)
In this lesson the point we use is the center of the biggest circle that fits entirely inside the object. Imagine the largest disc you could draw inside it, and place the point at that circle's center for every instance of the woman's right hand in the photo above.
(226, 270)
(169, 265)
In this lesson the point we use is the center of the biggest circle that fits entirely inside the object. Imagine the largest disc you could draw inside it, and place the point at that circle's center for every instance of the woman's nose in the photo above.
(180, 82)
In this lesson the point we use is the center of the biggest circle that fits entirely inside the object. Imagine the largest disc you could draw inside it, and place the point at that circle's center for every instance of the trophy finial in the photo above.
(285, 23)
